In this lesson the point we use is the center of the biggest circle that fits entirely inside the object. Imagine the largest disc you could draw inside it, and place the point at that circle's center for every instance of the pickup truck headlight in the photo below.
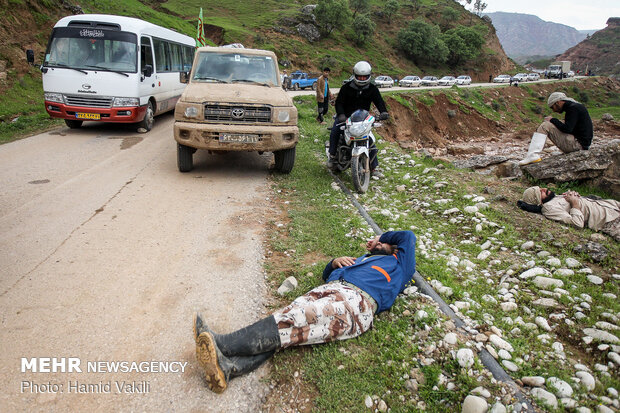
(284, 116)
(126, 102)
(54, 97)
(191, 112)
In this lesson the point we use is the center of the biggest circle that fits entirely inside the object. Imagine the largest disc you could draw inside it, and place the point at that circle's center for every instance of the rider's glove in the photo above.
(384, 115)
(342, 118)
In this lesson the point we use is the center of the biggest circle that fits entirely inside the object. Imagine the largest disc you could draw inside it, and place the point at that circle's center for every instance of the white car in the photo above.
(520, 77)
(429, 81)
(502, 79)
(463, 80)
(447, 81)
(532, 77)
(571, 73)
(410, 81)
(384, 81)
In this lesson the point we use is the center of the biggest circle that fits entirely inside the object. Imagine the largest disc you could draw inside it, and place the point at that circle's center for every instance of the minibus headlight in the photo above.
(191, 112)
(284, 116)
(54, 97)
(125, 102)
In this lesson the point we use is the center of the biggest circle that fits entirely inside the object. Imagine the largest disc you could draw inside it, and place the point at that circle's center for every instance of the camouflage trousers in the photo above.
(332, 311)
(612, 229)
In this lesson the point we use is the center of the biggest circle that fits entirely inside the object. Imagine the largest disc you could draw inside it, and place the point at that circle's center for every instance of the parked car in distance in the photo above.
(447, 81)
(429, 81)
(571, 73)
(410, 81)
(520, 77)
(463, 80)
(533, 77)
(502, 79)
(384, 81)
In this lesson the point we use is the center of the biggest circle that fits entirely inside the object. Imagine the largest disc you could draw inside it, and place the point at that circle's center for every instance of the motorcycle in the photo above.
(356, 148)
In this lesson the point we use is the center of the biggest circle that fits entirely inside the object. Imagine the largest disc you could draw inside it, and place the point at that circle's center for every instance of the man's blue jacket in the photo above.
(383, 277)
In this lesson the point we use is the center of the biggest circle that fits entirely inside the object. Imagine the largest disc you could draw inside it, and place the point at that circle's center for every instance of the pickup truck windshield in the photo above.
(235, 67)
(88, 49)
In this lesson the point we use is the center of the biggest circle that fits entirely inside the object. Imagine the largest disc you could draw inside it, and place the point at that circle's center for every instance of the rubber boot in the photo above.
(536, 146)
(218, 368)
(260, 337)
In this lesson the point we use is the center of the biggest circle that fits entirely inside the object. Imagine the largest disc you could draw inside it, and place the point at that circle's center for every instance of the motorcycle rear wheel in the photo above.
(360, 172)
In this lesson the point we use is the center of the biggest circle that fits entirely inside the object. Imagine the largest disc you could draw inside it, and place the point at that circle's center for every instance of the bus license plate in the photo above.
(239, 138)
(95, 116)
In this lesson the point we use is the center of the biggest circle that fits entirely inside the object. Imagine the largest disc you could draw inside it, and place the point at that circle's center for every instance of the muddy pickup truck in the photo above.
(234, 102)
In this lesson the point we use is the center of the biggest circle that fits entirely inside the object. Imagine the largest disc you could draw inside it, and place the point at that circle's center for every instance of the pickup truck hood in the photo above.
(237, 93)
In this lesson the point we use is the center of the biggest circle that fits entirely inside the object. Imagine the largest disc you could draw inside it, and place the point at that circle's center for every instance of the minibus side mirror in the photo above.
(148, 70)
(184, 77)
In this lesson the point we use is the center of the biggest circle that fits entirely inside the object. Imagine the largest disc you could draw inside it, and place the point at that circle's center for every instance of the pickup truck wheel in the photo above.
(285, 160)
(314, 86)
(184, 158)
(73, 124)
(296, 86)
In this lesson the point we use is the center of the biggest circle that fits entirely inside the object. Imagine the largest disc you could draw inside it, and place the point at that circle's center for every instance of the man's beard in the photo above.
(377, 251)
(549, 197)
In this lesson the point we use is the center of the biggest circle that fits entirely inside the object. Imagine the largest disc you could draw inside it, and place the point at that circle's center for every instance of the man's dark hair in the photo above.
(326, 69)
(535, 208)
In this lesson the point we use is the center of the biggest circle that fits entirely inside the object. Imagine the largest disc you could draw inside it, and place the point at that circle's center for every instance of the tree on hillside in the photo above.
(422, 41)
(364, 28)
(391, 8)
(464, 43)
(359, 6)
(416, 4)
(448, 17)
(479, 7)
(331, 14)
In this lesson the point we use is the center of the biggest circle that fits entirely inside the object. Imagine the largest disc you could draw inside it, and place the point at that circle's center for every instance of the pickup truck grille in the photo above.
(237, 113)
(89, 101)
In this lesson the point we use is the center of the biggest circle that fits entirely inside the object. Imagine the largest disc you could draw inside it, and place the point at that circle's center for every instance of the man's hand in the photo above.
(572, 198)
(372, 243)
(342, 262)
(548, 118)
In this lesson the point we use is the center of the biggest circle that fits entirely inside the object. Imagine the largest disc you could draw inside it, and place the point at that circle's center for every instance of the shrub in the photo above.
(422, 41)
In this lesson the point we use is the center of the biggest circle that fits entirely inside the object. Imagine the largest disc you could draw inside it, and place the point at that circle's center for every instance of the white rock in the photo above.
(546, 397)
(614, 357)
(603, 409)
(450, 338)
(288, 285)
(612, 392)
(546, 302)
(500, 343)
(542, 323)
(533, 272)
(465, 357)
(481, 391)
(483, 255)
(568, 403)
(421, 315)
(368, 402)
(528, 245)
(510, 365)
(587, 380)
(553, 262)
(503, 354)
(595, 280)
(508, 306)
(486, 245)
(471, 210)
(474, 404)
(572, 263)
(559, 387)
(498, 408)
(546, 282)
(564, 272)
(604, 325)
(382, 407)
(600, 335)
(533, 381)
(583, 410)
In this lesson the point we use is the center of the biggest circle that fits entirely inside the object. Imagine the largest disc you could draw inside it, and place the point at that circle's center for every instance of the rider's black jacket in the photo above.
(351, 98)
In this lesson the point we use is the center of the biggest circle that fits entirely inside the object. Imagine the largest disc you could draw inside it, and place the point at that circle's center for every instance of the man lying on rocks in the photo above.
(571, 208)
(355, 289)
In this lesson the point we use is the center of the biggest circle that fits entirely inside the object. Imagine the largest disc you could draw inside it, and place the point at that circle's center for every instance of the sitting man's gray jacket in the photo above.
(591, 213)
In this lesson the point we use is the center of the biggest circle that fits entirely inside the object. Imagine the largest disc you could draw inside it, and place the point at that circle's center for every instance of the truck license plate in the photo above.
(94, 116)
(239, 138)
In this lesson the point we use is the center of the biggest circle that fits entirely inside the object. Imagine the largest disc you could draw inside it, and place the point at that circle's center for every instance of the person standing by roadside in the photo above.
(323, 94)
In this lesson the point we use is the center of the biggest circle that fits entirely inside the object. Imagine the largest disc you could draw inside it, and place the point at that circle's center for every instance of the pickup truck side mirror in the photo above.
(184, 77)
(147, 71)
(30, 56)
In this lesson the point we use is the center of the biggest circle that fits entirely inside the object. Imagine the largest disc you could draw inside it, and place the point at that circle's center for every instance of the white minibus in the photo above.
(113, 69)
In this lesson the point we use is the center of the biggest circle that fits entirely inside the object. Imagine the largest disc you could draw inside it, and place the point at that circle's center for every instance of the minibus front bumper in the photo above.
(130, 114)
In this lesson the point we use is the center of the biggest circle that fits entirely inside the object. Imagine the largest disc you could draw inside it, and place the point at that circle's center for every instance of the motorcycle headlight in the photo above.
(284, 116)
(191, 112)
(54, 97)
(125, 102)
(357, 129)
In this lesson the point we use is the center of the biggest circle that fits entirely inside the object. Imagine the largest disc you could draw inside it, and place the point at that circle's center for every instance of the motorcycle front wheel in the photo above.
(360, 172)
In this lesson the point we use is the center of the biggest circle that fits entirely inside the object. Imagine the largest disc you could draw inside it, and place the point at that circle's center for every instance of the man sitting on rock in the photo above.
(342, 308)
(574, 134)
(571, 208)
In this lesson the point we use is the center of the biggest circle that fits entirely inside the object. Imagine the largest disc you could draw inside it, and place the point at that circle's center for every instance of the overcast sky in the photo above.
(580, 14)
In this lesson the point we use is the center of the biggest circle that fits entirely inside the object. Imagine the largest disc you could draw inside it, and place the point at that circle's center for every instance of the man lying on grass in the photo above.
(355, 289)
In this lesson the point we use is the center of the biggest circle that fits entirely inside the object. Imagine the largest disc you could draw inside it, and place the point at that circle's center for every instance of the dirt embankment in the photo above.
(457, 122)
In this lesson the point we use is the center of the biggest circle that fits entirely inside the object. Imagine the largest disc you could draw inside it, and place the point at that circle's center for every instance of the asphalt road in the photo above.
(106, 250)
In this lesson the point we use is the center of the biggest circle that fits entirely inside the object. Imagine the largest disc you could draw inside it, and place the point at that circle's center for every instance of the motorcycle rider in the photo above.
(356, 94)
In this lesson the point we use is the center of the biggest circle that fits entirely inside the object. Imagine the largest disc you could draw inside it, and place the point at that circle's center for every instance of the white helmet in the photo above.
(362, 71)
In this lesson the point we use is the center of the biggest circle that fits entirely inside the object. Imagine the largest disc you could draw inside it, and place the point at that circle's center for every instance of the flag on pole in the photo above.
(200, 32)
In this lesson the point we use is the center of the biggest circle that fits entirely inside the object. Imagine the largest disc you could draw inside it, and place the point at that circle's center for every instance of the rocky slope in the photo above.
(528, 35)
(600, 53)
